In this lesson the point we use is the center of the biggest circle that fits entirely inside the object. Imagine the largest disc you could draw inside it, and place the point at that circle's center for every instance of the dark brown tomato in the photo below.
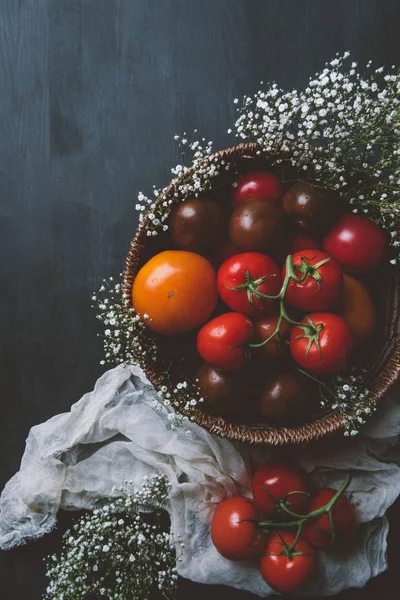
(198, 224)
(312, 207)
(287, 397)
(258, 226)
(224, 393)
(263, 328)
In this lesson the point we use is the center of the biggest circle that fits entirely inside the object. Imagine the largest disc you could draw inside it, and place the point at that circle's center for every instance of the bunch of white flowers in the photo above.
(115, 552)
(349, 396)
(188, 181)
(342, 131)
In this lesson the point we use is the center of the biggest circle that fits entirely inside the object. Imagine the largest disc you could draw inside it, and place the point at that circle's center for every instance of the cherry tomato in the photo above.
(301, 241)
(322, 284)
(253, 273)
(287, 397)
(280, 481)
(286, 572)
(225, 251)
(257, 184)
(318, 530)
(223, 341)
(232, 532)
(258, 226)
(312, 207)
(327, 350)
(177, 290)
(358, 244)
(197, 224)
(225, 394)
(263, 328)
(355, 306)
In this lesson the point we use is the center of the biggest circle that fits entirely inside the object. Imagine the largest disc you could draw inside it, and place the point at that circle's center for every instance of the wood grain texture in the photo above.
(91, 94)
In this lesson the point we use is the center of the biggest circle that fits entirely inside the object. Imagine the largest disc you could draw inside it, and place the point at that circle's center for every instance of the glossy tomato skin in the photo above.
(222, 342)
(232, 533)
(287, 397)
(309, 295)
(197, 224)
(284, 574)
(278, 479)
(225, 394)
(258, 226)
(335, 340)
(356, 307)
(177, 290)
(318, 531)
(301, 241)
(257, 184)
(263, 328)
(232, 274)
(313, 208)
(358, 244)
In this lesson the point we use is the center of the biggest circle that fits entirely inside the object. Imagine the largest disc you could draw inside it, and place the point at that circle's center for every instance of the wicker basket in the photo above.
(385, 361)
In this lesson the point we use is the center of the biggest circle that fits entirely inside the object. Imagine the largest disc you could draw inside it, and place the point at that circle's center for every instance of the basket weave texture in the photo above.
(385, 368)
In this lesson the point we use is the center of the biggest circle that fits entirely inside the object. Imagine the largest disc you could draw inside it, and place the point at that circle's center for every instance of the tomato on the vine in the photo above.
(278, 481)
(278, 346)
(318, 531)
(176, 290)
(358, 244)
(322, 281)
(223, 341)
(243, 278)
(322, 344)
(285, 568)
(257, 184)
(234, 530)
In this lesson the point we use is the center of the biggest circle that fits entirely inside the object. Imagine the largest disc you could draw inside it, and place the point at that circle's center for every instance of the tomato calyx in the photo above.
(251, 286)
(289, 551)
(308, 270)
(299, 521)
(311, 333)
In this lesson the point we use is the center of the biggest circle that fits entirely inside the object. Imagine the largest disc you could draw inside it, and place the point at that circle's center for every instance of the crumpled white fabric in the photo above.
(116, 434)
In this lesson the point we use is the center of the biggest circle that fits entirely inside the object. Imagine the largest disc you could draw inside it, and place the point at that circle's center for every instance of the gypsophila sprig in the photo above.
(348, 395)
(342, 131)
(123, 328)
(189, 181)
(115, 552)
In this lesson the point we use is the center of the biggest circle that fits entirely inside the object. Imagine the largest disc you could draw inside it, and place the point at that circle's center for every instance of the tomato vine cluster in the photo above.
(283, 524)
(263, 279)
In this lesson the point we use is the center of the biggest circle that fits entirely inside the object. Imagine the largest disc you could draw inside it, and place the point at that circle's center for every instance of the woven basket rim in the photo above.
(322, 426)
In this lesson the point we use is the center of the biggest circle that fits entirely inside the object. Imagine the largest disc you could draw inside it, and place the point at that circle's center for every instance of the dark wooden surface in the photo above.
(91, 94)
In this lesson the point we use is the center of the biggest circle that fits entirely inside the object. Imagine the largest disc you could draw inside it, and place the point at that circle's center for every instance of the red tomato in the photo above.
(325, 351)
(358, 244)
(225, 251)
(278, 480)
(252, 273)
(318, 530)
(256, 185)
(322, 284)
(222, 342)
(301, 241)
(286, 572)
(232, 533)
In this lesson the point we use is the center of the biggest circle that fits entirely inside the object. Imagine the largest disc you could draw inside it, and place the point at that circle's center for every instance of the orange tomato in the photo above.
(355, 306)
(177, 290)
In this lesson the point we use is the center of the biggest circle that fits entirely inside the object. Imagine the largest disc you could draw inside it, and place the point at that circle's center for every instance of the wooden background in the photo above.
(91, 94)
